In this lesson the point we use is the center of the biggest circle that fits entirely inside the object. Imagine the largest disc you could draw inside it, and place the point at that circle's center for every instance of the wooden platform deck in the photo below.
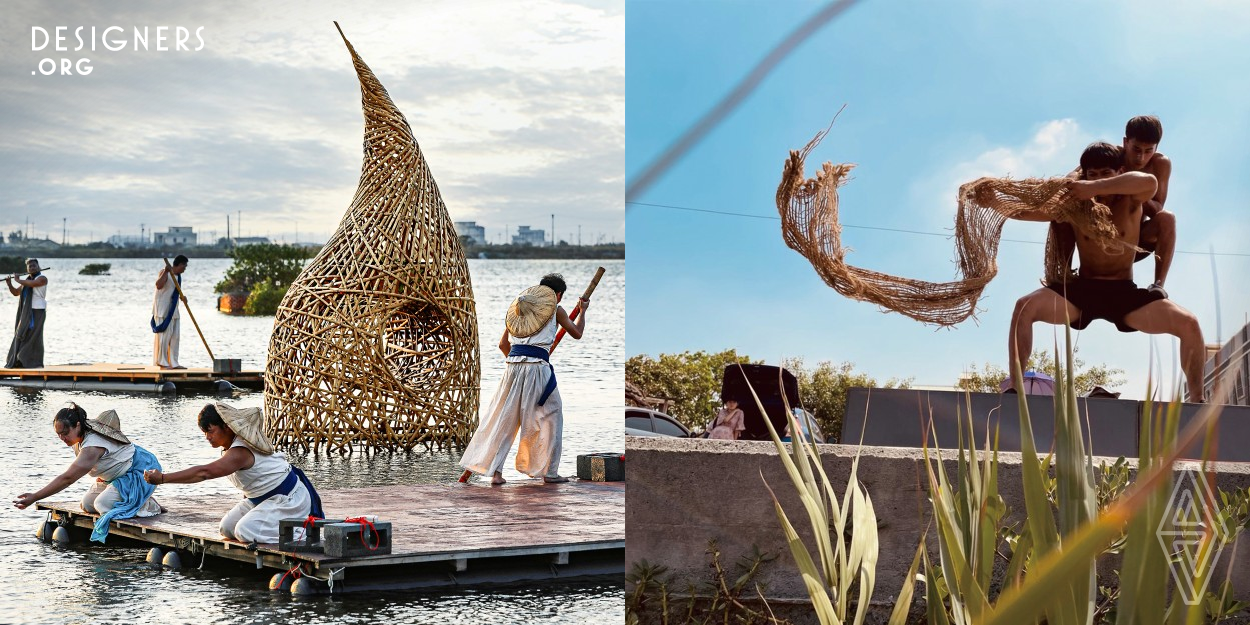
(443, 535)
(117, 376)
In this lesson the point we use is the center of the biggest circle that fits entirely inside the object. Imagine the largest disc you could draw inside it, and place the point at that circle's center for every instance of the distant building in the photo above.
(241, 241)
(177, 235)
(40, 244)
(1235, 353)
(528, 236)
(476, 233)
(126, 240)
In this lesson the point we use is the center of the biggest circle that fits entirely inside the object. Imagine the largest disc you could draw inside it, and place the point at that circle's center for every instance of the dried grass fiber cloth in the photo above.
(809, 225)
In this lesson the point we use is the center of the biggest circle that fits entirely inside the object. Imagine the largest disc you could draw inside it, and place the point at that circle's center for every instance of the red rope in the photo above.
(295, 574)
(377, 539)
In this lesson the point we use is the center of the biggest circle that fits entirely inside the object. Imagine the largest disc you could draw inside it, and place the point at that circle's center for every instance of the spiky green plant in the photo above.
(844, 565)
(1060, 583)
(969, 524)
(1051, 575)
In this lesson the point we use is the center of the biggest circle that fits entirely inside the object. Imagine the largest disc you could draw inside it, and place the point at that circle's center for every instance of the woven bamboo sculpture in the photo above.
(375, 345)
(809, 225)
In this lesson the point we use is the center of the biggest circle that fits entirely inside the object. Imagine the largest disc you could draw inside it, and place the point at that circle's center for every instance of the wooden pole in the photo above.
(18, 276)
(578, 311)
(170, 269)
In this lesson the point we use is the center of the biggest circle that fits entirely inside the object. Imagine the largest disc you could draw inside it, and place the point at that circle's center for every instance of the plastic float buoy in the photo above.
(154, 557)
(281, 581)
(45, 530)
(172, 561)
(168, 388)
(304, 587)
(60, 536)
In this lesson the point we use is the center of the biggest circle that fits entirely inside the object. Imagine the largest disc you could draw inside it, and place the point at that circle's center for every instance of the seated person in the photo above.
(729, 422)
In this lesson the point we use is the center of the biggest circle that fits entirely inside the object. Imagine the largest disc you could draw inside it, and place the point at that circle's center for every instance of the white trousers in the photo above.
(165, 346)
(250, 523)
(101, 498)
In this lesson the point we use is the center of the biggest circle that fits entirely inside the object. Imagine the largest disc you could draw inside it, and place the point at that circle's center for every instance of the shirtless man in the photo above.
(1158, 227)
(1104, 288)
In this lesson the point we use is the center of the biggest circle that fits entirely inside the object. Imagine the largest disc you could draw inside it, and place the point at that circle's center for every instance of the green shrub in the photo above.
(264, 298)
(254, 264)
(10, 265)
(94, 269)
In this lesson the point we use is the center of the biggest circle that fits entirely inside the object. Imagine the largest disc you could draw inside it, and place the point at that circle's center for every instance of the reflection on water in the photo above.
(105, 319)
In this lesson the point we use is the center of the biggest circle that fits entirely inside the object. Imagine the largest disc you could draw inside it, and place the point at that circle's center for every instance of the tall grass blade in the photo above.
(902, 606)
(1026, 602)
(816, 588)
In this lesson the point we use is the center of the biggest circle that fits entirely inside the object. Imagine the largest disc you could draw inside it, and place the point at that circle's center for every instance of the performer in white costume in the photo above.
(26, 350)
(272, 489)
(165, 315)
(527, 400)
(106, 454)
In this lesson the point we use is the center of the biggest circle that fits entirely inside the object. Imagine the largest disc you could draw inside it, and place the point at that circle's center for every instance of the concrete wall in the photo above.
(682, 492)
(907, 417)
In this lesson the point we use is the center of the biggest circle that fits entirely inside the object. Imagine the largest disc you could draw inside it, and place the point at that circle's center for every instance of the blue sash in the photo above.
(169, 315)
(132, 489)
(28, 292)
(533, 351)
(288, 485)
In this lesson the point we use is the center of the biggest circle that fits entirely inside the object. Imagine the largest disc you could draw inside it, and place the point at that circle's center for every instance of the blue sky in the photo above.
(518, 108)
(937, 94)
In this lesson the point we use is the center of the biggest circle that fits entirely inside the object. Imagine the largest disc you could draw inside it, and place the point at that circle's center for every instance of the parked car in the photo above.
(647, 422)
(808, 424)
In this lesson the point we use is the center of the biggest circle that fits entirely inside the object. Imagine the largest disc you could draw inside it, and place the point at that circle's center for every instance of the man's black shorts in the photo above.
(1104, 299)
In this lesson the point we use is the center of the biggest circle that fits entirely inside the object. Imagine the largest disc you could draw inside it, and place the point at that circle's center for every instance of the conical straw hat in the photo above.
(248, 424)
(108, 425)
(530, 311)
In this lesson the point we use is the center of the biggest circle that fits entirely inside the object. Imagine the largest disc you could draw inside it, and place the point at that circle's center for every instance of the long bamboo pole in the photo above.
(170, 269)
(17, 276)
(578, 311)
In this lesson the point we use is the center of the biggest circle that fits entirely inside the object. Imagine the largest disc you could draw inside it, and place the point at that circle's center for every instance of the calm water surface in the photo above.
(105, 319)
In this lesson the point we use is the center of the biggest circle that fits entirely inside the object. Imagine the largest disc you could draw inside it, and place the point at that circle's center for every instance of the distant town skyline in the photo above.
(519, 112)
(494, 235)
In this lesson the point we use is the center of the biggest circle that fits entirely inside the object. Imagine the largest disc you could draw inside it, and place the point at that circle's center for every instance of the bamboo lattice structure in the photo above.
(375, 345)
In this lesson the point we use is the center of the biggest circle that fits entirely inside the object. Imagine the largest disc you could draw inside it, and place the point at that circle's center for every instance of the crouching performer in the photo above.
(119, 491)
(272, 489)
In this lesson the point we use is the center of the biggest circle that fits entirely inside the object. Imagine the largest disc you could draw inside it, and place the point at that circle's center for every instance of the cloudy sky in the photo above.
(518, 107)
(936, 94)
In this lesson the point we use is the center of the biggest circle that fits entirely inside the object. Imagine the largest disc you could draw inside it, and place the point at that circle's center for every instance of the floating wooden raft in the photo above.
(113, 376)
(443, 535)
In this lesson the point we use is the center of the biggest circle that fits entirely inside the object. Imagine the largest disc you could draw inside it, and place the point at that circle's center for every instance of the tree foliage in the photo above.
(254, 264)
(987, 380)
(264, 298)
(823, 389)
(693, 381)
